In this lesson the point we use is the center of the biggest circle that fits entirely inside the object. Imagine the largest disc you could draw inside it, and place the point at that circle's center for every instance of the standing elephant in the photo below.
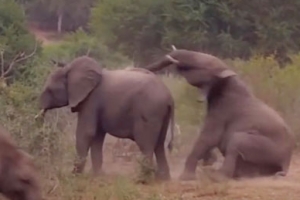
(252, 137)
(18, 177)
(127, 103)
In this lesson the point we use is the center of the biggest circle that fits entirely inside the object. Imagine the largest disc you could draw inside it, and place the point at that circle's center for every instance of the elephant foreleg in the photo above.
(207, 140)
(85, 133)
(97, 153)
(83, 143)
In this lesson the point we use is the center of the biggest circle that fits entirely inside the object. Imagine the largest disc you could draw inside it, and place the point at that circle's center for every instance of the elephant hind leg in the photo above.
(144, 138)
(257, 150)
(246, 169)
(150, 135)
(210, 158)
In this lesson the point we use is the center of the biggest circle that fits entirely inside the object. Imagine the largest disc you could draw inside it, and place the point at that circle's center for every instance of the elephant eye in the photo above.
(183, 68)
(50, 92)
(187, 68)
(26, 181)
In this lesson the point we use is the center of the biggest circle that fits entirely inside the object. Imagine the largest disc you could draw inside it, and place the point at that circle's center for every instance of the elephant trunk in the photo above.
(162, 63)
(43, 104)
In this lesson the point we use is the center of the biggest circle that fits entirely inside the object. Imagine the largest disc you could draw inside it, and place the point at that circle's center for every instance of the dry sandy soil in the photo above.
(206, 188)
(46, 37)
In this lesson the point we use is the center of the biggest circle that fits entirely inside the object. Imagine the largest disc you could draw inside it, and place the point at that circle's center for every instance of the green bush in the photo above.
(146, 29)
(277, 87)
(15, 39)
(80, 43)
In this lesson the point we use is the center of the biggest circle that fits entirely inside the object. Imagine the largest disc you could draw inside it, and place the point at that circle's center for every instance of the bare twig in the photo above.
(51, 190)
(88, 51)
(18, 58)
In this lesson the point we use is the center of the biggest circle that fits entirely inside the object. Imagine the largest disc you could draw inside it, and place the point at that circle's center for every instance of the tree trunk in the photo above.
(59, 22)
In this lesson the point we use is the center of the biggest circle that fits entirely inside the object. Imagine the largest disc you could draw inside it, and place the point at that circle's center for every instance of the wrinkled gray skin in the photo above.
(128, 103)
(18, 178)
(252, 137)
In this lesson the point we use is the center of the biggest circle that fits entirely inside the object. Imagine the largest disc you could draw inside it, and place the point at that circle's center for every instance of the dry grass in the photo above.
(119, 184)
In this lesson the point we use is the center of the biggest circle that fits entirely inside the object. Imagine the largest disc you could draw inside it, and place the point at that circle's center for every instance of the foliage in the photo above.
(79, 44)
(48, 13)
(15, 40)
(131, 26)
(227, 28)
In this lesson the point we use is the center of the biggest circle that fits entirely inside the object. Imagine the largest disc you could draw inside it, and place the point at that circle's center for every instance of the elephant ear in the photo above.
(226, 73)
(82, 79)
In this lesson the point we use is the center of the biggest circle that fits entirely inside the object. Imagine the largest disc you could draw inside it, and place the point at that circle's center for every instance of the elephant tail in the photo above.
(172, 127)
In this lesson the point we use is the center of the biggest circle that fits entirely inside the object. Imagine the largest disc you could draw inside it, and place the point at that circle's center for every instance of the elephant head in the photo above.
(199, 69)
(70, 84)
(18, 177)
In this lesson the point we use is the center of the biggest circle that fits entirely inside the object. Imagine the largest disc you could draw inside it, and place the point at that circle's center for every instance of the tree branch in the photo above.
(18, 58)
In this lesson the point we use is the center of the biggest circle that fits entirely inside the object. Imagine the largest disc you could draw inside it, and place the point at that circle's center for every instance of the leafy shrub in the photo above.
(79, 43)
(15, 40)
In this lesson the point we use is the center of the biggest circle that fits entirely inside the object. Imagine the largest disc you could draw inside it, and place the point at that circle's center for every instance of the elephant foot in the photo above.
(187, 176)
(216, 175)
(78, 166)
(280, 174)
(160, 176)
(98, 173)
(77, 170)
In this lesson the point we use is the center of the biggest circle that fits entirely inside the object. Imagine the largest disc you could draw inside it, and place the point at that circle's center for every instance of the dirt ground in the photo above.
(268, 188)
(46, 37)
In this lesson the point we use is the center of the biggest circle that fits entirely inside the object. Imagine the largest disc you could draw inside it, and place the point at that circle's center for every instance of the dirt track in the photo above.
(46, 37)
(281, 188)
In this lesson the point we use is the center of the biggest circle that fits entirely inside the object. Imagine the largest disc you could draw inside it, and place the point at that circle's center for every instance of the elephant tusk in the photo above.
(40, 114)
(26, 155)
(172, 59)
(173, 47)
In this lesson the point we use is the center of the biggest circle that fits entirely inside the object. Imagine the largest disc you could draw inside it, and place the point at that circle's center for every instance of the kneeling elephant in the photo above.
(18, 175)
(252, 136)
